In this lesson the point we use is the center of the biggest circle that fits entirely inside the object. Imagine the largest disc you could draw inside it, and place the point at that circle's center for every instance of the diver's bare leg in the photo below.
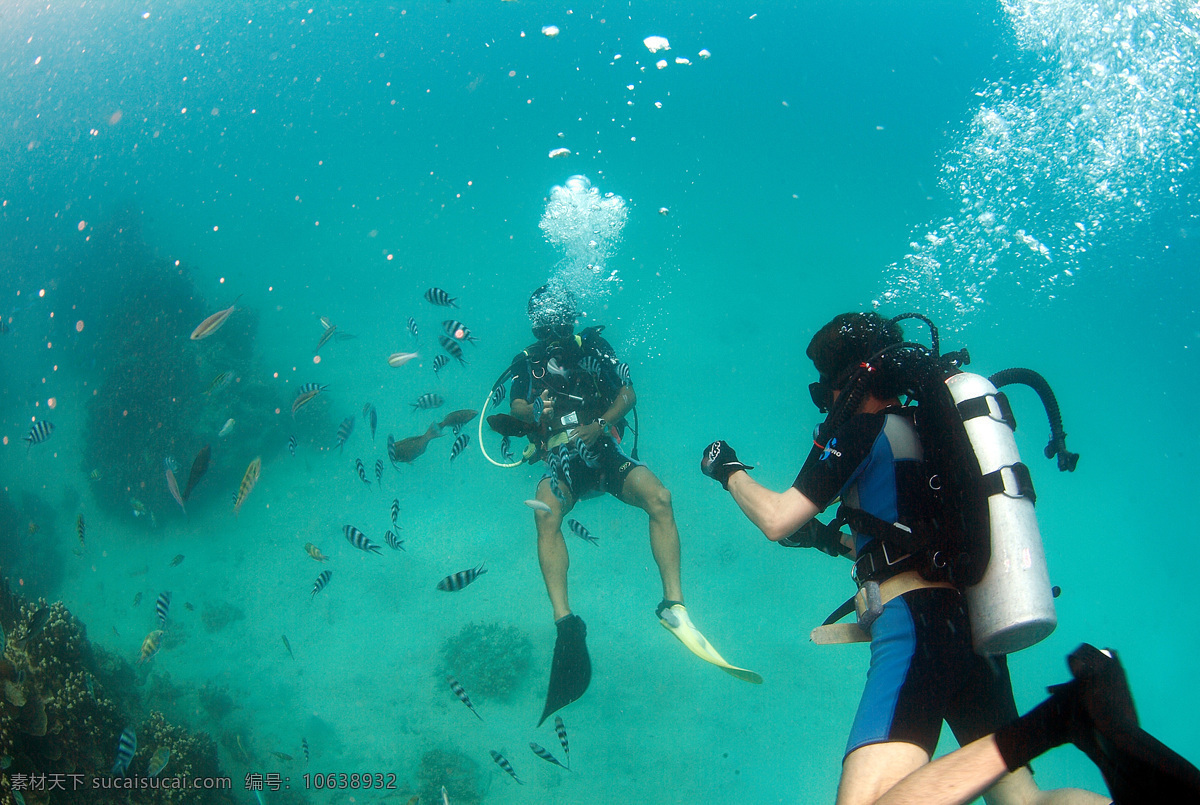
(552, 548)
(644, 490)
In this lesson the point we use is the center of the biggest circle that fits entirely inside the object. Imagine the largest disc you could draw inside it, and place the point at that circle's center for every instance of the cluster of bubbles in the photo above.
(586, 227)
(1098, 142)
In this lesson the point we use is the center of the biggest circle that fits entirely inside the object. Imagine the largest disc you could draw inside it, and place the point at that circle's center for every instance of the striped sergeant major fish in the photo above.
(462, 695)
(379, 470)
(452, 584)
(372, 418)
(428, 401)
(80, 529)
(321, 581)
(304, 746)
(393, 541)
(362, 471)
(126, 747)
(436, 296)
(395, 510)
(343, 432)
(307, 387)
(39, 432)
(506, 448)
(162, 606)
(561, 729)
(497, 395)
(439, 363)
(359, 540)
(458, 331)
(292, 445)
(581, 532)
(591, 365)
(503, 763)
(544, 754)
(451, 346)
(412, 328)
(623, 373)
(460, 444)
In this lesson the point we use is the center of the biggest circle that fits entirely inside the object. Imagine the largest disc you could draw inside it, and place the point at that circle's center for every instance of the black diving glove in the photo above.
(720, 461)
(815, 534)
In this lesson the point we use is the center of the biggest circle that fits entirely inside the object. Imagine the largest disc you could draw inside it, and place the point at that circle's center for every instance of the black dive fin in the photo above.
(571, 668)
(1138, 769)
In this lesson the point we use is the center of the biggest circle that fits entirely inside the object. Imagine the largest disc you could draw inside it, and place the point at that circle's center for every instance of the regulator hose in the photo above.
(1058, 437)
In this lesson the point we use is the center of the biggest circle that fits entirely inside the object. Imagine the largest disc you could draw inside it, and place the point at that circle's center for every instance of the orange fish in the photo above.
(248, 482)
(150, 645)
(315, 552)
(214, 322)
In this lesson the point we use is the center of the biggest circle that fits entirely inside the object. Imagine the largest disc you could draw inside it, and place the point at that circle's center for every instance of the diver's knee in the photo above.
(658, 501)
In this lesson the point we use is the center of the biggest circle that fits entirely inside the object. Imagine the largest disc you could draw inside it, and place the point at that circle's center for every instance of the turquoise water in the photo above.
(1023, 173)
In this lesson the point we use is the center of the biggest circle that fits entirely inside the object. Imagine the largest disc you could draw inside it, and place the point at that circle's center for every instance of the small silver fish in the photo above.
(537, 506)
(227, 428)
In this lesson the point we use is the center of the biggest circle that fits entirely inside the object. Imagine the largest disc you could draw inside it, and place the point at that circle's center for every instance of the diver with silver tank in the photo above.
(951, 577)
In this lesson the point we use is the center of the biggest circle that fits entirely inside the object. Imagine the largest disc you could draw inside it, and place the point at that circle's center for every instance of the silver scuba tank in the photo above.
(1012, 606)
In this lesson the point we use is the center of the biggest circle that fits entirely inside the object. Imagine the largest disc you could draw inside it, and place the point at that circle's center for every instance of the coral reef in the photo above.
(216, 617)
(448, 767)
(151, 396)
(63, 706)
(490, 659)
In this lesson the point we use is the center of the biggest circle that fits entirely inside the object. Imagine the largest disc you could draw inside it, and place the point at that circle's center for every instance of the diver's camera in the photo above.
(570, 420)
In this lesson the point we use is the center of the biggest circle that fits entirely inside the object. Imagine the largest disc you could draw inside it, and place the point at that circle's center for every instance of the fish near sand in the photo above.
(408, 449)
(503, 763)
(436, 296)
(321, 581)
(359, 540)
(214, 322)
(462, 695)
(398, 359)
(315, 552)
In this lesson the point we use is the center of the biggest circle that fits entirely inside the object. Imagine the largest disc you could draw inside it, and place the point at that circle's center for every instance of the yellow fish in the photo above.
(248, 482)
(214, 322)
(158, 761)
(150, 645)
(315, 552)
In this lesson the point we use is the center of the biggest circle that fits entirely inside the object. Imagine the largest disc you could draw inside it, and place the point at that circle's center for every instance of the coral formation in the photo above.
(63, 706)
(490, 659)
(216, 617)
(451, 768)
(152, 397)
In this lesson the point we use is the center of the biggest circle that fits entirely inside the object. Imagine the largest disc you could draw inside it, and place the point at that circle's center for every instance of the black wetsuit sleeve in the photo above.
(831, 466)
(522, 385)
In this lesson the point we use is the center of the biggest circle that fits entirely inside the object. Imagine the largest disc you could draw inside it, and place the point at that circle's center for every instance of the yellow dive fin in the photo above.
(676, 621)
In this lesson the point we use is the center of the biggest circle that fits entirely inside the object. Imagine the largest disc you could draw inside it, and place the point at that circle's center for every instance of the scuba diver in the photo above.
(912, 514)
(571, 396)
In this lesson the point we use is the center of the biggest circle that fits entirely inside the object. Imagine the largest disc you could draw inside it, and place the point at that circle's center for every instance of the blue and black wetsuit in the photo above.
(923, 668)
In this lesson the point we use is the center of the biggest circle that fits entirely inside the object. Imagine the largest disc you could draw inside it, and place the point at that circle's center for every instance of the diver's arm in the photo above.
(525, 412)
(777, 514)
(625, 400)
